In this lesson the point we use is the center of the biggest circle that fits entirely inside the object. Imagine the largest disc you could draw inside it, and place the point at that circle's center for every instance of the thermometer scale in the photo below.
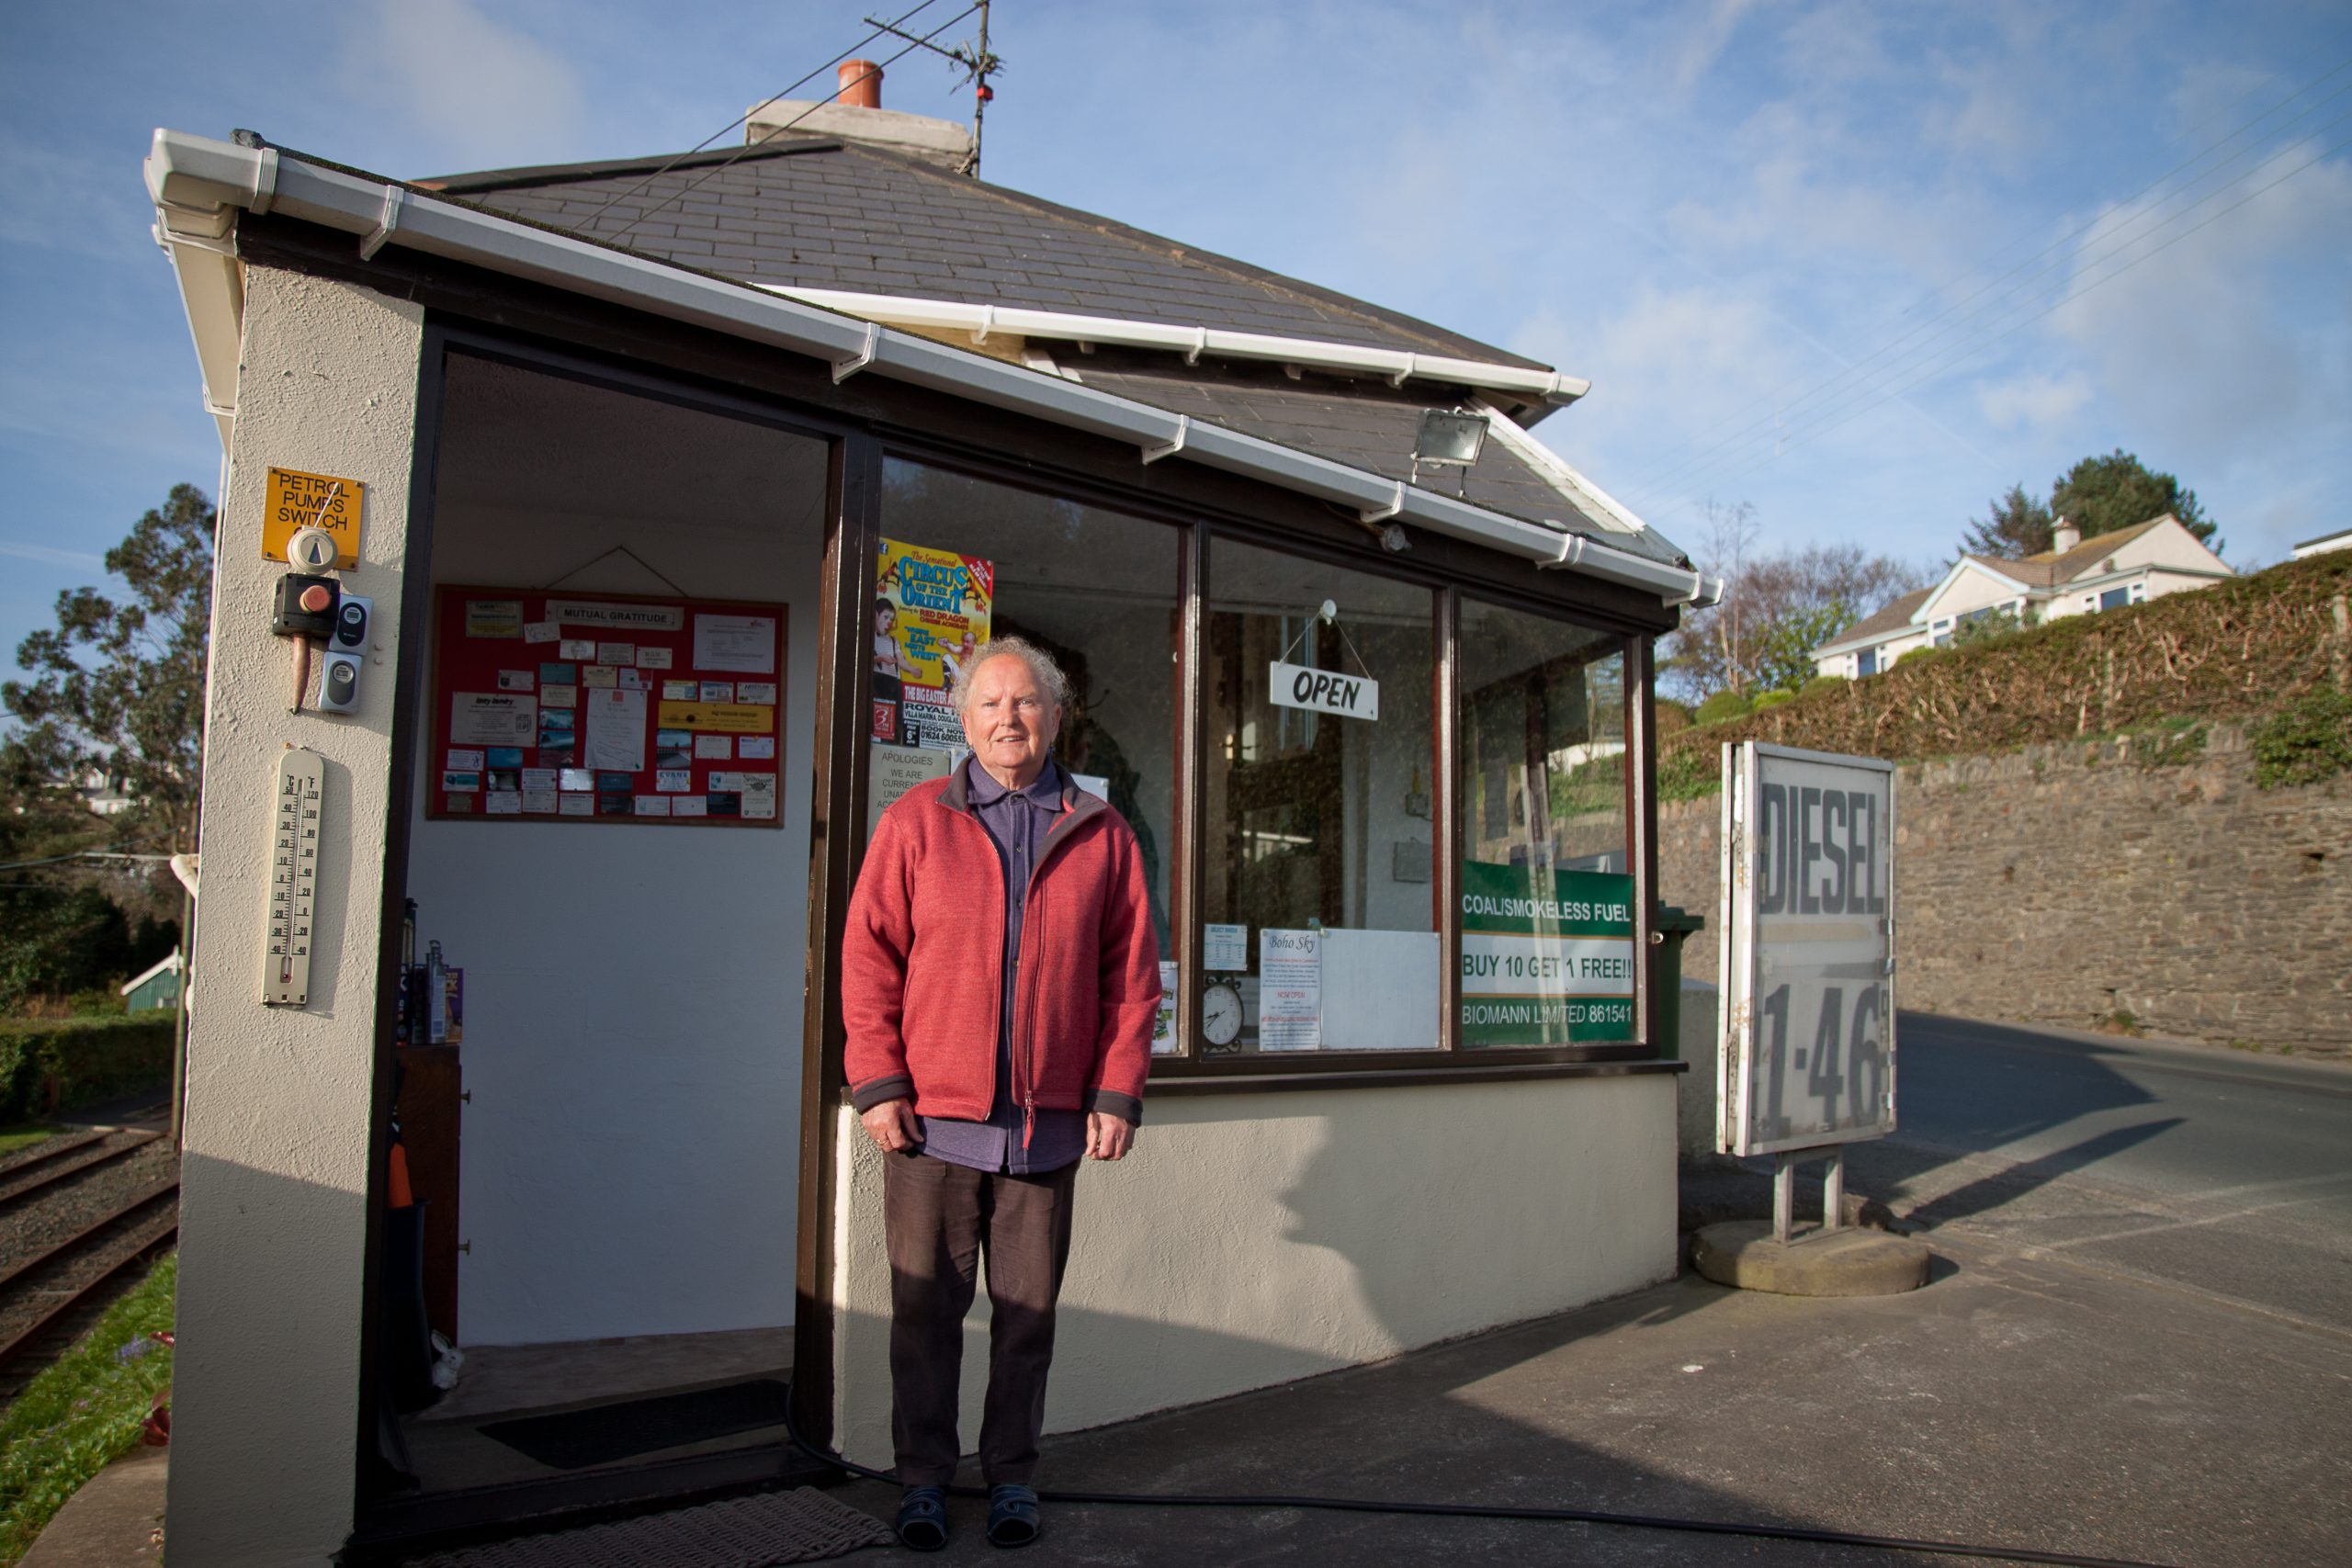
(293, 878)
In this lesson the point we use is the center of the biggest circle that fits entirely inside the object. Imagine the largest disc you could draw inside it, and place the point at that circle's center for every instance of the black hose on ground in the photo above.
(1474, 1511)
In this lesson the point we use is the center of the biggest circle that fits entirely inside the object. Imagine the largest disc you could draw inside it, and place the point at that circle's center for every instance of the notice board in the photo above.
(605, 707)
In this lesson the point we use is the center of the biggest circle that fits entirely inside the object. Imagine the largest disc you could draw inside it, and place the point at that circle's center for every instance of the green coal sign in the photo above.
(1546, 961)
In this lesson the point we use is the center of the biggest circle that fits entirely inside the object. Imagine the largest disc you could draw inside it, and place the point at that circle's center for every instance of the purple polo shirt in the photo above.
(1017, 822)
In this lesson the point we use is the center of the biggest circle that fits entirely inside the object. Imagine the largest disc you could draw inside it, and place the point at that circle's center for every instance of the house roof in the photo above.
(2051, 568)
(1366, 426)
(834, 214)
(1891, 620)
(822, 212)
(171, 962)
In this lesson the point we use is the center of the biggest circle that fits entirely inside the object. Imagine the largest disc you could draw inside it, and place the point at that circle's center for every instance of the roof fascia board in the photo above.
(980, 321)
(199, 174)
(1925, 611)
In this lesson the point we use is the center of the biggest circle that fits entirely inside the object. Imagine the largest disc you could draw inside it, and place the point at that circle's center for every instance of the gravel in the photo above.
(57, 1212)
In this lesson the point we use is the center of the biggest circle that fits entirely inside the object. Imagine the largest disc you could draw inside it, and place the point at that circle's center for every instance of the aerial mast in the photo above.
(979, 62)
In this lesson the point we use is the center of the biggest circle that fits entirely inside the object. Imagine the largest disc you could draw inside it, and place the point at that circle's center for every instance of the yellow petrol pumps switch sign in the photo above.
(299, 500)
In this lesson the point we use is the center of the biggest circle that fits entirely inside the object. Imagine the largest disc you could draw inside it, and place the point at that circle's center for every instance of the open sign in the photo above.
(1323, 691)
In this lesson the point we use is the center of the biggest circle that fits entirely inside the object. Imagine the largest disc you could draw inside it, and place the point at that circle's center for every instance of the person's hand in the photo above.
(891, 1126)
(1108, 1136)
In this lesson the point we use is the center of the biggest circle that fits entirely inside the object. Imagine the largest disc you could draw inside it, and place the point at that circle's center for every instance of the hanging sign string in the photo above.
(1329, 616)
(617, 550)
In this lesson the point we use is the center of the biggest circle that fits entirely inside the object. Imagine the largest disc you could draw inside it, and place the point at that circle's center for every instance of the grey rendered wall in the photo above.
(273, 1186)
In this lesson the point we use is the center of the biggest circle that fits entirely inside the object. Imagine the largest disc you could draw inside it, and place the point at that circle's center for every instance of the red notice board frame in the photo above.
(470, 664)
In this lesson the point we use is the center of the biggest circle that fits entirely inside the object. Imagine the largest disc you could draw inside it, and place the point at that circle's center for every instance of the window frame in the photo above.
(1200, 527)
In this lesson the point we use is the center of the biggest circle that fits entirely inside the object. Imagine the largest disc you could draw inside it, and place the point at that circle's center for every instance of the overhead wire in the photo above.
(1829, 385)
(694, 184)
(746, 115)
(1860, 403)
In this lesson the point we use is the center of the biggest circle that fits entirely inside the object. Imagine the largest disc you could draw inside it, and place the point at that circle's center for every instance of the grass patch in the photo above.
(83, 1411)
(1688, 776)
(2305, 743)
(15, 1138)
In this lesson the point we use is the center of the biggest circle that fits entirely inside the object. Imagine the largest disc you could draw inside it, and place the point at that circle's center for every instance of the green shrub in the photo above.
(1918, 655)
(87, 1059)
(1820, 683)
(1687, 775)
(1722, 707)
(2306, 741)
(1771, 699)
(1673, 717)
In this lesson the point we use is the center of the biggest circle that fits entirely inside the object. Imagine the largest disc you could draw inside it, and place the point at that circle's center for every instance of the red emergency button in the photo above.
(315, 599)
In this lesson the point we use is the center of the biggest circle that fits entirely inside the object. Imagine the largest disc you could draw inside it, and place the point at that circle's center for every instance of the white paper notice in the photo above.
(717, 748)
(755, 692)
(575, 805)
(677, 691)
(1290, 991)
(559, 696)
(759, 797)
(652, 658)
(756, 749)
(540, 802)
(538, 778)
(517, 679)
(617, 653)
(539, 631)
(1094, 785)
(690, 806)
(1225, 948)
(615, 731)
(502, 803)
(744, 644)
(654, 806)
(465, 759)
(891, 771)
(673, 781)
(493, 718)
(576, 778)
(576, 647)
(1163, 1026)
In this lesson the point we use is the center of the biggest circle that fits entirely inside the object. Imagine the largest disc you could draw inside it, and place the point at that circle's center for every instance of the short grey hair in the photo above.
(1048, 673)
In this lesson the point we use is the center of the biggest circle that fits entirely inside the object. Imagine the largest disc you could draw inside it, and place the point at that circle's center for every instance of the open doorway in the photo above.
(600, 1117)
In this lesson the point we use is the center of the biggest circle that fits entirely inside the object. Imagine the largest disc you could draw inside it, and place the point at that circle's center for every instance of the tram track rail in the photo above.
(78, 1241)
(48, 1167)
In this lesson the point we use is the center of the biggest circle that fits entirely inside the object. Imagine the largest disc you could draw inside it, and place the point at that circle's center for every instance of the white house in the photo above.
(2130, 566)
(2339, 541)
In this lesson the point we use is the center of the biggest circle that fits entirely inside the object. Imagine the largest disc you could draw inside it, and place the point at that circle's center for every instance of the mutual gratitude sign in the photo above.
(1324, 691)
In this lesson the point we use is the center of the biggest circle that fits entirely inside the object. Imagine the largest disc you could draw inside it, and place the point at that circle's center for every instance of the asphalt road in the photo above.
(2216, 1173)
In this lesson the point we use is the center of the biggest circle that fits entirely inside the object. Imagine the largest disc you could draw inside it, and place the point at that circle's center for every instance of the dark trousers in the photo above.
(939, 1218)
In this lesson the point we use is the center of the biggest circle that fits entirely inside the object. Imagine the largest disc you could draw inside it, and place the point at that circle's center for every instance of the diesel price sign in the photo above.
(1808, 941)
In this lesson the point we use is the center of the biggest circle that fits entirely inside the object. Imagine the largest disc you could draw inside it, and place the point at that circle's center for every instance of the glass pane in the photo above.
(964, 560)
(1316, 886)
(1547, 949)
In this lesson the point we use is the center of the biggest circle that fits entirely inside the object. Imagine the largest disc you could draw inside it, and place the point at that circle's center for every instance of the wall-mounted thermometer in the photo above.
(297, 810)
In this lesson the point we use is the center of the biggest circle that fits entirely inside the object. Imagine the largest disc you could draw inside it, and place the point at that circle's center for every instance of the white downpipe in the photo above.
(952, 315)
(191, 175)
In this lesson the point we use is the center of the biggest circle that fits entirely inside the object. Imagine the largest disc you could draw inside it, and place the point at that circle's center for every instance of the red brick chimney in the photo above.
(861, 84)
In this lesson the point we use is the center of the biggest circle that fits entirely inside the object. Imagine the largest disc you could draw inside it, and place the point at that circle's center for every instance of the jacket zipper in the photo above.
(1024, 1054)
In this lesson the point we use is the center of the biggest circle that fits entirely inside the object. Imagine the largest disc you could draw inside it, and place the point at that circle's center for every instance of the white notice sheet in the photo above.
(1290, 991)
(744, 644)
(616, 730)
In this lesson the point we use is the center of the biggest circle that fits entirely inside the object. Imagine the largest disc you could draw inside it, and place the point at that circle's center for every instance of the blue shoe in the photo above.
(1013, 1514)
(922, 1518)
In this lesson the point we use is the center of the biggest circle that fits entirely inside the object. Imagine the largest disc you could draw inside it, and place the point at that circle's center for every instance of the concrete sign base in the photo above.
(1742, 1254)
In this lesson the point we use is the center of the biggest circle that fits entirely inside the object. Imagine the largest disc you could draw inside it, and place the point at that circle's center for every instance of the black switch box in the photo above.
(292, 617)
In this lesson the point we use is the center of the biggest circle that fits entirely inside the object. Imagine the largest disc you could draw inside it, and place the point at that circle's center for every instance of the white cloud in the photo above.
(1707, 42)
(2033, 401)
(70, 201)
(478, 90)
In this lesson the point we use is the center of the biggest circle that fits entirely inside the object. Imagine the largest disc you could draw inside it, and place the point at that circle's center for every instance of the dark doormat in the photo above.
(578, 1438)
(801, 1525)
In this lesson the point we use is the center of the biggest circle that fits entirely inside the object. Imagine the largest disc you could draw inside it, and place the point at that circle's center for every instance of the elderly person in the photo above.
(999, 978)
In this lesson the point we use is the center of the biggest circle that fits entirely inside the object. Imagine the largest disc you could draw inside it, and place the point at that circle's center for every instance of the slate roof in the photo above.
(833, 213)
(828, 213)
(1366, 425)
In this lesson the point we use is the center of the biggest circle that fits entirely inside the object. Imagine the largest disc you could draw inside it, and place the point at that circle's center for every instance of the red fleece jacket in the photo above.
(922, 963)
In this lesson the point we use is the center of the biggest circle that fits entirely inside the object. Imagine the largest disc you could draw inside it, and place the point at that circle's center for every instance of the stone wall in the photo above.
(2077, 882)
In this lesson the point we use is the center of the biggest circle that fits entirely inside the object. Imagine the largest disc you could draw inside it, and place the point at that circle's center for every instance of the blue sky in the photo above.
(1862, 265)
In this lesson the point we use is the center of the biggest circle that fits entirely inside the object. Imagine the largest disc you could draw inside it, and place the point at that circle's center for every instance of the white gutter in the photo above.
(1015, 321)
(195, 180)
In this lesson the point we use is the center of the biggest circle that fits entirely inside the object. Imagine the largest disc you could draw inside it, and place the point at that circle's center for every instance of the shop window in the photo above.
(965, 560)
(1547, 941)
(1317, 887)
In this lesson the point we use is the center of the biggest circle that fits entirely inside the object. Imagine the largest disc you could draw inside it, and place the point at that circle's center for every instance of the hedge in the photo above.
(80, 1060)
(2252, 644)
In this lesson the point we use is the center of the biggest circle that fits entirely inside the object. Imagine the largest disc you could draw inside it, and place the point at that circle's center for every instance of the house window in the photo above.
(1866, 662)
(1939, 633)
(2115, 598)
(1317, 891)
(1546, 946)
(1096, 589)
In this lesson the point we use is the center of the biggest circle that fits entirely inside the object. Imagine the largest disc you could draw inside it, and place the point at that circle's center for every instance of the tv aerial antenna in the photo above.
(979, 62)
